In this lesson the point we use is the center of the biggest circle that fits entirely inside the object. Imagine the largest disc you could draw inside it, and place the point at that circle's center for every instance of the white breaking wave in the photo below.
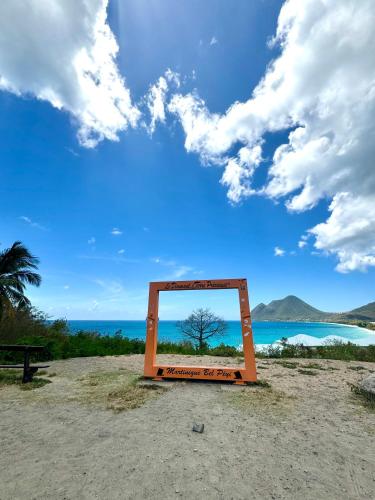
(310, 341)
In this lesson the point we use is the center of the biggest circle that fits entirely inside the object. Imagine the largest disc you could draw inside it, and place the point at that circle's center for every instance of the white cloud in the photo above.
(32, 223)
(66, 287)
(110, 258)
(112, 287)
(121, 251)
(322, 86)
(157, 95)
(278, 252)
(349, 232)
(214, 41)
(64, 52)
(181, 271)
(177, 270)
(94, 306)
(302, 244)
(116, 231)
(91, 241)
(239, 171)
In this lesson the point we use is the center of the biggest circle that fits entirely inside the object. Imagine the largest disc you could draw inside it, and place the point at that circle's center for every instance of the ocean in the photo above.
(264, 332)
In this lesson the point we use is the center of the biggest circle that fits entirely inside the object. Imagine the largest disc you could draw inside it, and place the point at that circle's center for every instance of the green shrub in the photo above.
(224, 350)
(334, 350)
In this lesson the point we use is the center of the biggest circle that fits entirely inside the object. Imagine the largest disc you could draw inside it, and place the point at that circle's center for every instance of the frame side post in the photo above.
(151, 331)
(247, 332)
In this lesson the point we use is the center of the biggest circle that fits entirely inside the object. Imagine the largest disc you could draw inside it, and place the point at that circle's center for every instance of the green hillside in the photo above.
(290, 308)
(364, 313)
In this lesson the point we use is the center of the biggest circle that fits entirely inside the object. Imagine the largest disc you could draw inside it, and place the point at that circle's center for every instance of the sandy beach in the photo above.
(305, 437)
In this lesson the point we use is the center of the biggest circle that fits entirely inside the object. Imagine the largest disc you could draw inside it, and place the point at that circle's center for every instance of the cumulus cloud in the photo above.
(157, 95)
(278, 252)
(214, 41)
(65, 53)
(322, 88)
(239, 171)
(116, 231)
(349, 232)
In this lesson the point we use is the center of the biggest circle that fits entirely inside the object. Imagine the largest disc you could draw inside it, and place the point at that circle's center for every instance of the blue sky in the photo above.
(106, 220)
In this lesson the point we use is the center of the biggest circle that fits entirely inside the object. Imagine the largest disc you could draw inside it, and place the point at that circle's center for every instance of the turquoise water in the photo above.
(264, 332)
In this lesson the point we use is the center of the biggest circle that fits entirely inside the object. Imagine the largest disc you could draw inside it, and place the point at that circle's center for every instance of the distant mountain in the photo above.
(291, 308)
(364, 313)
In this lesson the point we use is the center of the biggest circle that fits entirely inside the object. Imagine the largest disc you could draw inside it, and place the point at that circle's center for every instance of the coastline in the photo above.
(350, 326)
(265, 332)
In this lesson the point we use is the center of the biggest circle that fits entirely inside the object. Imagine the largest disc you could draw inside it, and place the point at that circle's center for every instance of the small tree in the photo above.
(201, 325)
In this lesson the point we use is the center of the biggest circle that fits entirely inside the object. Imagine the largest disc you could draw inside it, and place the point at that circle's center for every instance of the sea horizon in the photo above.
(264, 332)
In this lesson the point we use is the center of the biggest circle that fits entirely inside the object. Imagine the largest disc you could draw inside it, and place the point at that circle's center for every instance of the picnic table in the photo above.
(28, 371)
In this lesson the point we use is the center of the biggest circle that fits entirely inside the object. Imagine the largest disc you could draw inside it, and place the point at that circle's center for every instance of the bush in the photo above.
(334, 350)
(224, 350)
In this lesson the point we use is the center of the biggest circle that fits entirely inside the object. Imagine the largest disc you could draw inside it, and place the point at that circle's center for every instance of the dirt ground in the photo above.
(306, 437)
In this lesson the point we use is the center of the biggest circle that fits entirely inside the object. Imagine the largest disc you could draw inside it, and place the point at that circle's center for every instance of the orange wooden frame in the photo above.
(239, 375)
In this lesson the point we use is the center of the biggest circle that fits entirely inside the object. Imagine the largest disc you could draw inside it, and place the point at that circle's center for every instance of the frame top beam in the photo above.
(222, 284)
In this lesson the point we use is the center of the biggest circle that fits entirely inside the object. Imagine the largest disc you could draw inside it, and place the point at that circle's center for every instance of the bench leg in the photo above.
(28, 372)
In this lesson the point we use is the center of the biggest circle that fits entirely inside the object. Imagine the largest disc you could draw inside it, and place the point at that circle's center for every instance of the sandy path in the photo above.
(311, 441)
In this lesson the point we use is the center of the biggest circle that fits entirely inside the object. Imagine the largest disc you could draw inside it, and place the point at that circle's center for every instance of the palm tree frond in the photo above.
(16, 271)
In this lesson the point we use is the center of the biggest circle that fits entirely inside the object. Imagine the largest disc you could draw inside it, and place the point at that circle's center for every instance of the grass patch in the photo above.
(35, 384)
(365, 397)
(132, 396)
(261, 397)
(307, 372)
(356, 368)
(262, 367)
(9, 377)
(261, 383)
(53, 374)
(292, 365)
(118, 390)
(314, 366)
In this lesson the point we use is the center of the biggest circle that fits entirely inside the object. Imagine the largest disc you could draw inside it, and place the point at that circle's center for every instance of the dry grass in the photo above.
(307, 372)
(118, 391)
(314, 366)
(262, 398)
(287, 364)
(362, 396)
(132, 396)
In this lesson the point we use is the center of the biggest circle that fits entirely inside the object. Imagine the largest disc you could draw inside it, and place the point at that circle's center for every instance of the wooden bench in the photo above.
(28, 371)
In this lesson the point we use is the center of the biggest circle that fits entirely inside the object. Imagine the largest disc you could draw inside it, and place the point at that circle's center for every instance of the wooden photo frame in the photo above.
(238, 375)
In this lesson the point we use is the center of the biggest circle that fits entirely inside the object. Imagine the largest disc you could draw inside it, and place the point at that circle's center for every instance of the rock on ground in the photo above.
(368, 384)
